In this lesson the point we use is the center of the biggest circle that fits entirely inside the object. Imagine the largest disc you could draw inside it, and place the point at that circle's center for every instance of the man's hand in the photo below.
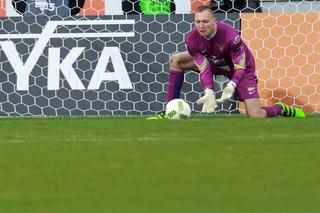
(208, 101)
(227, 92)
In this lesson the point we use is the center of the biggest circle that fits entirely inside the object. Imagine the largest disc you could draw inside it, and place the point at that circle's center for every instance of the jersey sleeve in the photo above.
(189, 44)
(206, 75)
(238, 57)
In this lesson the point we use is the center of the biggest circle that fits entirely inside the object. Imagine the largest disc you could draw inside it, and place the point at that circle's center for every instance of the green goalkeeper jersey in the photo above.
(155, 6)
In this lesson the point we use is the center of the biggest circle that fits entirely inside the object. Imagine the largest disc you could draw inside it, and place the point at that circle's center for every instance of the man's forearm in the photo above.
(237, 76)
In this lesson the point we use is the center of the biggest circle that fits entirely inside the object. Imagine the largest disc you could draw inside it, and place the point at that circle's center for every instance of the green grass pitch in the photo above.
(128, 164)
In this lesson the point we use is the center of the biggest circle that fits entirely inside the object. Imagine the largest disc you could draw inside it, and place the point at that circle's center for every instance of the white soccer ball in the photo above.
(178, 109)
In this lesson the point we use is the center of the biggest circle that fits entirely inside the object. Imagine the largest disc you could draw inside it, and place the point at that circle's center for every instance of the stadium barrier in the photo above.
(106, 7)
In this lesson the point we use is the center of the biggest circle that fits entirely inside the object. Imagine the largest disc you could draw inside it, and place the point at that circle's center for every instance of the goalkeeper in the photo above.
(216, 48)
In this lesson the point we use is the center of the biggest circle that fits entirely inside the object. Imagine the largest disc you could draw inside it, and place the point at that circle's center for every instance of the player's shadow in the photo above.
(287, 98)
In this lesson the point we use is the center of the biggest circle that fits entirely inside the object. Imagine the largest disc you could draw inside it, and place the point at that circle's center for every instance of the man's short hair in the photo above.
(203, 8)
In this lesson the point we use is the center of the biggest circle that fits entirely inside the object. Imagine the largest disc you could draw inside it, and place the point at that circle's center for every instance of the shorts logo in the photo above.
(237, 39)
(251, 90)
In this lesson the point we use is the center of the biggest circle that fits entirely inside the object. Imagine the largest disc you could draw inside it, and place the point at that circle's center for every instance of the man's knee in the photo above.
(175, 61)
(182, 61)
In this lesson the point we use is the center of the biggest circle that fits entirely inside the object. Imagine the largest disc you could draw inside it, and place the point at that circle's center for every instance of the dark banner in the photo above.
(94, 66)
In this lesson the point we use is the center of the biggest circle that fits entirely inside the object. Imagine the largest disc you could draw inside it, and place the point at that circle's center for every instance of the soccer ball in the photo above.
(178, 109)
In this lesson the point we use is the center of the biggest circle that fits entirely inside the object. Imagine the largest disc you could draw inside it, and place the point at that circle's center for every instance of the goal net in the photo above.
(115, 61)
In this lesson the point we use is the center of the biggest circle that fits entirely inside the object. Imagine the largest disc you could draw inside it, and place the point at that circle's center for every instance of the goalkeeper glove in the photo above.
(208, 101)
(227, 92)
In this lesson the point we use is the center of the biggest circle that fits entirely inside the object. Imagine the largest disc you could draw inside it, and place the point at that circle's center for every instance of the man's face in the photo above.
(205, 23)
